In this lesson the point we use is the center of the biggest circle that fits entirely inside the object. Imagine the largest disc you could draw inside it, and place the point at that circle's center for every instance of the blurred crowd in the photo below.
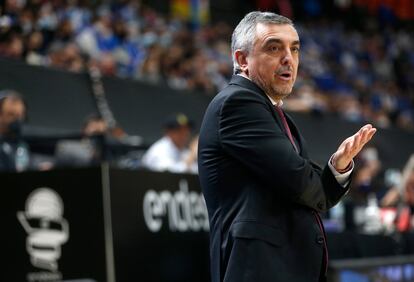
(361, 75)
(123, 38)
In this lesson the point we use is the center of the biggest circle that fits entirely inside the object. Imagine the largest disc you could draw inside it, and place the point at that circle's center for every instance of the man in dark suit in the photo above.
(263, 194)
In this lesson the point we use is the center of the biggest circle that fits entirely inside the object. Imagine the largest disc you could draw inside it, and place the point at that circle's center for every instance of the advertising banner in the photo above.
(102, 224)
(52, 226)
(160, 227)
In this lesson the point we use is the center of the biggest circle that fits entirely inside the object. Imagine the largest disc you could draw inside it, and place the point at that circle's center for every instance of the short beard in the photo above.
(276, 93)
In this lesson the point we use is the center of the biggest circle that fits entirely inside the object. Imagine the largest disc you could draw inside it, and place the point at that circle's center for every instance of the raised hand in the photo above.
(351, 146)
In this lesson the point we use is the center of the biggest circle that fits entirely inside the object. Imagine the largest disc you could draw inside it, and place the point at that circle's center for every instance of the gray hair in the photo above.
(245, 32)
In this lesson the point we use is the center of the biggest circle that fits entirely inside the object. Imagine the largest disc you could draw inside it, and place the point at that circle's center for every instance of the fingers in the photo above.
(355, 143)
(367, 126)
(358, 139)
(348, 148)
(372, 132)
(364, 128)
(362, 135)
(366, 132)
(367, 135)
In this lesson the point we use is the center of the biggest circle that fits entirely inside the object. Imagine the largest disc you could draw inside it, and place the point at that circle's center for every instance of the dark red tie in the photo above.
(285, 124)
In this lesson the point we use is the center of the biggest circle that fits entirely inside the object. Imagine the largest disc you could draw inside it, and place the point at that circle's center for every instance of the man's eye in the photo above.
(295, 49)
(274, 48)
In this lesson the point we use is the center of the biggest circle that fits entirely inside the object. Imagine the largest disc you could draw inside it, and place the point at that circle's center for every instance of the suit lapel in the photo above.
(244, 82)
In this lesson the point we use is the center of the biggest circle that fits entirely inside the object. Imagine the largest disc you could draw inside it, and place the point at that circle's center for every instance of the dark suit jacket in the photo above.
(8, 150)
(262, 196)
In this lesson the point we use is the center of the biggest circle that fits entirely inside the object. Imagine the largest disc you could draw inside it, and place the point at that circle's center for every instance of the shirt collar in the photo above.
(275, 103)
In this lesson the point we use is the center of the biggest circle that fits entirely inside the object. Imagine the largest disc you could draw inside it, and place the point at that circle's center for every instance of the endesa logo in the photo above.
(180, 211)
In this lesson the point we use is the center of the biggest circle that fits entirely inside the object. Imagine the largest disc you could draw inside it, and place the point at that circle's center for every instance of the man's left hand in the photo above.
(351, 147)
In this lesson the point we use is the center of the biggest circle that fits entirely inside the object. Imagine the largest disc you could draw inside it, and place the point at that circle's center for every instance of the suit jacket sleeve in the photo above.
(248, 131)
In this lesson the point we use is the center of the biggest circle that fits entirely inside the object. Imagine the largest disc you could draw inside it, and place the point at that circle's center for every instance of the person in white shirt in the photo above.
(171, 153)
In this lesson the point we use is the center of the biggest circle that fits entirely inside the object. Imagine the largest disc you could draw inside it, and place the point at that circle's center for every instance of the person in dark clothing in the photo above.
(262, 191)
(14, 152)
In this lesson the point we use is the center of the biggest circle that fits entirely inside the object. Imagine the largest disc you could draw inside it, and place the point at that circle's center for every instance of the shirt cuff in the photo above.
(342, 178)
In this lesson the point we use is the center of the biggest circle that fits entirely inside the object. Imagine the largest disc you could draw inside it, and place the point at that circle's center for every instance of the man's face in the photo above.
(180, 136)
(95, 127)
(273, 61)
(11, 111)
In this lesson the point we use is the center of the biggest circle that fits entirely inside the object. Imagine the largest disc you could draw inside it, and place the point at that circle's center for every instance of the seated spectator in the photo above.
(85, 152)
(170, 153)
(401, 196)
(306, 100)
(368, 179)
(14, 152)
(408, 192)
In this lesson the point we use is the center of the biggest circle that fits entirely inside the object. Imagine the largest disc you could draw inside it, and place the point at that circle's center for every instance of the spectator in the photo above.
(368, 176)
(87, 151)
(14, 151)
(13, 47)
(170, 153)
(306, 100)
(34, 54)
(408, 190)
(402, 197)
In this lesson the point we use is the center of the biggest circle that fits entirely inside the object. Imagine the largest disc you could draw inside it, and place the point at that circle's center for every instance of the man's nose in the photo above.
(287, 57)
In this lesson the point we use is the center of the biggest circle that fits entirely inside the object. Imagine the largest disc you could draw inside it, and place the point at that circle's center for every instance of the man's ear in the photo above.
(241, 59)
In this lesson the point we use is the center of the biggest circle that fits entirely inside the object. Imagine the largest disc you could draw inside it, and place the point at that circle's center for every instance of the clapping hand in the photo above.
(351, 146)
